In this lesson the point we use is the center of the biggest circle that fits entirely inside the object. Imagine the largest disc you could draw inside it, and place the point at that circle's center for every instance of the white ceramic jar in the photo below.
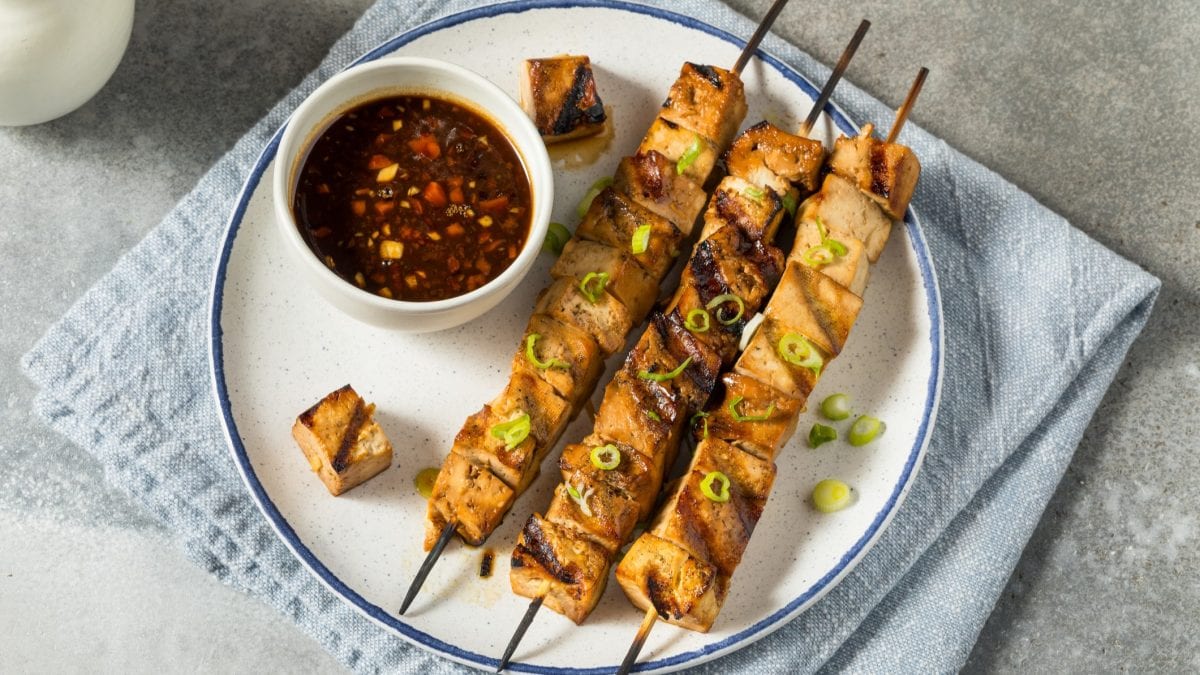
(56, 54)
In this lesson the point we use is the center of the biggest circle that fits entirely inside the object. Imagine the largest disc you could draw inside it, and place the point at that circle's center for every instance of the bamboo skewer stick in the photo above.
(759, 33)
(638, 641)
(902, 113)
(430, 560)
(834, 77)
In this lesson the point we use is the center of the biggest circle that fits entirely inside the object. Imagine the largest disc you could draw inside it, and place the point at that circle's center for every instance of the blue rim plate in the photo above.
(757, 630)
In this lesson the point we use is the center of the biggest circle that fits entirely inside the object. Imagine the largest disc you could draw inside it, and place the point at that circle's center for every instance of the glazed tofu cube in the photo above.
(885, 172)
(468, 495)
(708, 100)
(643, 415)
(770, 157)
(753, 416)
(850, 270)
(650, 180)
(724, 263)
(674, 363)
(846, 212)
(342, 441)
(636, 476)
(554, 561)
(686, 148)
(762, 361)
(756, 211)
(815, 306)
(601, 512)
(684, 590)
(605, 319)
(559, 94)
(717, 531)
(627, 280)
(614, 218)
(572, 359)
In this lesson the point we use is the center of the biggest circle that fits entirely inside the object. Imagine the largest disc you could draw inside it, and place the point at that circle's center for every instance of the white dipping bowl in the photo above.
(414, 76)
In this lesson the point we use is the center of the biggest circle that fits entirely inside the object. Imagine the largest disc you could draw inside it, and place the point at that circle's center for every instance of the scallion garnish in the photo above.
(593, 285)
(581, 497)
(722, 315)
(836, 407)
(715, 486)
(754, 193)
(689, 155)
(641, 240)
(789, 203)
(557, 237)
(831, 495)
(739, 417)
(865, 429)
(703, 418)
(530, 342)
(512, 432)
(424, 481)
(653, 415)
(820, 434)
(697, 321)
(595, 189)
(838, 248)
(607, 457)
(798, 351)
(663, 377)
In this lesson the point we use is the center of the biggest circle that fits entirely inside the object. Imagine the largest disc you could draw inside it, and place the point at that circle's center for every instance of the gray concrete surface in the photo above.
(1092, 107)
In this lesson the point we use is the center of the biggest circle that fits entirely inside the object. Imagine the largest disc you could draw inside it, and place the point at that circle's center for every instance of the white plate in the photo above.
(277, 348)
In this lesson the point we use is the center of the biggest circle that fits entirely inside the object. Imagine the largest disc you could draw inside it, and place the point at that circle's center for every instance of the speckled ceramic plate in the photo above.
(277, 348)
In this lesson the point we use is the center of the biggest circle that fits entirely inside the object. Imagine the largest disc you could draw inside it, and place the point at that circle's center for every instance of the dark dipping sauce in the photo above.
(414, 198)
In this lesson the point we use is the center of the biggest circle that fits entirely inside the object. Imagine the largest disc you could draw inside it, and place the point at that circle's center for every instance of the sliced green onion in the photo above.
(739, 417)
(719, 493)
(641, 240)
(595, 189)
(702, 417)
(789, 203)
(836, 407)
(839, 249)
(581, 497)
(607, 457)
(697, 321)
(865, 429)
(820, 434)
(819, 255)
(556, 238)
(512, 432)
(831, 495)
(593, 285)
(530, 343)
(722, 299)
(798, 351)
(754, 193)
(663, 377)
(821, 229)
(689, 155)
(424, 481)
(653, 415)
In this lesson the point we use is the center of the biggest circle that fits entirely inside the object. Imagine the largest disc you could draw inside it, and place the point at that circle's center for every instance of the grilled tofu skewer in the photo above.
(604, 284)
(680, 569)
(562, 560)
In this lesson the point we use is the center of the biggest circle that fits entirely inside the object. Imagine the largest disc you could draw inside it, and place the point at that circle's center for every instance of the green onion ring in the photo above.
(836, 407)
(689, 156)
(820, 434)
(701, 416)
(722, 299)
(819, 255)
(754, 193)
(697, 321)
(557, 237)
(595, 189)
(739, 417)
(424, 481)
(597, 279)
(865, 429)
(789, 203)
(541, 365)
(798, 351)
(719, 495)
(607, 457)
(512, 432)
(641, 240)
(663, 377)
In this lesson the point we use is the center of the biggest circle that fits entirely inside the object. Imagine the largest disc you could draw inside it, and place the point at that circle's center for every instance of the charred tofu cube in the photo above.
(650, 180)
(342, 441)
(717, 531)
(615, 219)
(564, 356)
(815, 306)
(763, 361)
(594, 508)
(753, 416)
(557, 562)
(770, 157)
(885, 172)
(684, 590)
(674, 363)
(636, 475)
(694, 155)
(600, 315)
(756, 211)
(627, 280)
(726, 263)
(469, 495)
(846, 212)
(707, 100)
(813, 248)
(643, 415)
(559, 94)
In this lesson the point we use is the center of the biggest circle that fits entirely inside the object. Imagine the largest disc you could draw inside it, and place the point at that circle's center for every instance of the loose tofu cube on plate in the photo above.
(559, 94)
(627, 280)
(752, 416)
(847, 212)
(614, 219)
(341, 439)
(651, 180)
(694, 153)
(570, 359)
(604, 318)
(770, 157)
(683, 589)
(708, 100)
(885, 172)
(560, 563)
(469, 495)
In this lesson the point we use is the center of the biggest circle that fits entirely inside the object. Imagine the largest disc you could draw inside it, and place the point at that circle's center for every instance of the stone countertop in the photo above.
(1092, 109)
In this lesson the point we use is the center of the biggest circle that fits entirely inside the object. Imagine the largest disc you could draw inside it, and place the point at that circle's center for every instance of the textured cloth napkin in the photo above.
(1036, 325)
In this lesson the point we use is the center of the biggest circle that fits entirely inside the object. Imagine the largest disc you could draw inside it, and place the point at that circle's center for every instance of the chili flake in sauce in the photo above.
(414, 198)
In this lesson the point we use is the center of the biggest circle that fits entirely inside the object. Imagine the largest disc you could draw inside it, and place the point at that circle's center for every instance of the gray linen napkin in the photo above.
(1036, 326)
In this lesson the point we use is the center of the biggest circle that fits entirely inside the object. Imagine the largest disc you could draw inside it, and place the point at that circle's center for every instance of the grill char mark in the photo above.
(582, 103)
(709, 73)
(351, 434)
(537, 547)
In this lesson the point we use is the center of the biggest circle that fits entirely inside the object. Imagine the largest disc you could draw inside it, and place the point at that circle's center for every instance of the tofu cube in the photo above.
(559, 95)
(850, 270)
(815, 306)
(605, 320)
(636, 476)
(342, 441)
(846, 212)
(603, 513)
(887, 173)
(568, 569)
(614, 218)
(674, 142)
(761, 361)
(627, 280)
(770, 157)
(707, 100)
(665, 347)
(642, 415)
(763, 438)
(577, 362)
(468, 495)
(684, 590)
(650, 179)
(757, 212)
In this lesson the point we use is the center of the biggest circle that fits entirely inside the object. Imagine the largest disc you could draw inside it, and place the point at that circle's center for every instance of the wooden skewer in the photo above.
(638, 640)
(759, 34)
(430, 561)
(534, 606)
(834, 77)
(902, 113)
